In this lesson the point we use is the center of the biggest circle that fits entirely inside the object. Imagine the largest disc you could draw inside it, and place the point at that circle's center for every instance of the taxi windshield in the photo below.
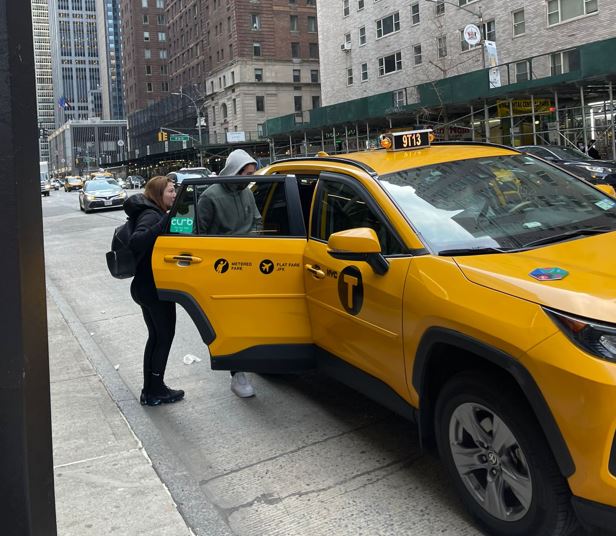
(501, 202)
(100, 185)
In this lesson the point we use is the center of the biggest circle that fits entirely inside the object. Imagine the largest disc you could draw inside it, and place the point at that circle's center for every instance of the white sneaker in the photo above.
(241, 385)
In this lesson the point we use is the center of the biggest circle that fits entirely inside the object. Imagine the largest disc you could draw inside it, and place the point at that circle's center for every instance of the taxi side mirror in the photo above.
(360, 244)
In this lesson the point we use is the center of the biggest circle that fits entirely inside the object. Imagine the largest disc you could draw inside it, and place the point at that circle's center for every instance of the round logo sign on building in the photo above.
(472, 34)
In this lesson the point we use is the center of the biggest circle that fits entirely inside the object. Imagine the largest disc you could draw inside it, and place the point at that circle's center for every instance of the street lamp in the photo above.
(475, 14)
(198, 112)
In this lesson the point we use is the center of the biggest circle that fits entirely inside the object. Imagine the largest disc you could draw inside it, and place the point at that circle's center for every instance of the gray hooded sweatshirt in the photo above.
(225, 210)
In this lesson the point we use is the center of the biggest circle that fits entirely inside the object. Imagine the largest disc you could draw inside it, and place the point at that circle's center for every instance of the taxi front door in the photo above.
(355, 313)
(244, 292)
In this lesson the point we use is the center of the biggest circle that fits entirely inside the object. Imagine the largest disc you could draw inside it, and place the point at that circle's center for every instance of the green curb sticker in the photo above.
(182, 225)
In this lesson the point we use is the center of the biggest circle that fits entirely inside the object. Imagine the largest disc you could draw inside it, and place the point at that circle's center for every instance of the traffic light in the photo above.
(162, 135)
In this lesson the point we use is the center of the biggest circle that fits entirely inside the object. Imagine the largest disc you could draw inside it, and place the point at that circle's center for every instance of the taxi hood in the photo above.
(588, 290)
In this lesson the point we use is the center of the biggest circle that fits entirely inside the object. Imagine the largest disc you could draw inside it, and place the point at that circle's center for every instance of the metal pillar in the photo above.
(486, 115)
(557, 115)
(334, 131)
(27, 492)
(346, 138)
(322, 141)
(357, 137)
(472, 123)
(532, 108)
(367, 134)
(583, 117)
(511, 131)
(290, 145)
(611, 90)
(305, 144)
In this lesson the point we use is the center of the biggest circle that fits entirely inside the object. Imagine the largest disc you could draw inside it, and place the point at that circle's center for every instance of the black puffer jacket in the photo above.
(149, 223)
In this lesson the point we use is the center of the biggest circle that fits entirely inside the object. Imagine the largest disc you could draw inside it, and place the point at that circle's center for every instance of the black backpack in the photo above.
(120, 260)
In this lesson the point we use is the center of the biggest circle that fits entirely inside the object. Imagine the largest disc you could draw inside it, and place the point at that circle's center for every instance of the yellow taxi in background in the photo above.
(467, 286)
(72, 183)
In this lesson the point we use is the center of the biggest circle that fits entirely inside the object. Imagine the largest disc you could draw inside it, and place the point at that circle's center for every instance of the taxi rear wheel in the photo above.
(499, 460)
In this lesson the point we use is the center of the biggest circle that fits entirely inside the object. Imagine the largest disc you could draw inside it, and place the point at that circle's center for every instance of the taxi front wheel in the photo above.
(499, 460)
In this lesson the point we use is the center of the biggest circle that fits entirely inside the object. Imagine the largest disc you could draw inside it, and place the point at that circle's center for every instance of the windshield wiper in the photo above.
(588, 231)
(472, 251)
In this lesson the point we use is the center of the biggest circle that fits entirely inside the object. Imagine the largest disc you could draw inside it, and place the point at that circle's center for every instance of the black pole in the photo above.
(26, 464)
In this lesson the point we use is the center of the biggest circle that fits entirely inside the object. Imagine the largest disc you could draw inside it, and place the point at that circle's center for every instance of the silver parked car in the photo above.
(101, 193)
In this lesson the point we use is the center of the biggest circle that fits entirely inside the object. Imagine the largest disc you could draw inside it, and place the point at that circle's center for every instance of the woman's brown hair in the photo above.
(154, 190)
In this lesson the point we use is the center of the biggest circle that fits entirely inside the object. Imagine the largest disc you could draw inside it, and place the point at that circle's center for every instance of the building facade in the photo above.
(42, 65)
(80, 147)
(374, 46)
(75, 60)
(110, 34)
(528, 73)
(144, 53)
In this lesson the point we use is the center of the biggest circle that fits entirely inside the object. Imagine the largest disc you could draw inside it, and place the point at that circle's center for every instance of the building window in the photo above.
(162, 54)
(519, 26)
(163, 69)
(144, 3)
(360, 5)
(160, 4)
(260, 103)
(313, 51)
(314, 76)
(258, 75)
(160, 20)
(364, 72)
(390, 64)
(146, 19)
(345, 8)
(223, 111)
(441, 44)
(417, 54)
(148, 70)
(399, 98)
(311, 2)
(146, 36)
(362, 36)
(234, 106)
(488, 31)
(562, 10)
(347, 39)
(349, 72)
(312, 24)
(316, 102)
(564, 62)
(464, 2)
(149, 87)
(415, 13)
(164, 86)
(255, 21)
(256, 49)
(293, 23)
(295, 50)
(439, 8)
(522, 70)
(388, 25)
(297, 75)
(147, 53)
(297, 103)
(162, 36)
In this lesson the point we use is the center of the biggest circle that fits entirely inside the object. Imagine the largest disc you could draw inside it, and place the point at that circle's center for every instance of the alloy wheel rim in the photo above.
(490, 462)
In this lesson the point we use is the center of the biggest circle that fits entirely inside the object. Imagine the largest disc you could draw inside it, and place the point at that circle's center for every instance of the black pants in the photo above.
(159, 317)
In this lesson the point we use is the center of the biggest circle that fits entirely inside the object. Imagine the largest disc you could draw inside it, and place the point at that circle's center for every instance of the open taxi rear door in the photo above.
(245, 292)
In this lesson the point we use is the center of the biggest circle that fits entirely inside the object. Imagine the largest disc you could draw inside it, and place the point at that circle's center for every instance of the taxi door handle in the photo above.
(183, 260)
(315, 271)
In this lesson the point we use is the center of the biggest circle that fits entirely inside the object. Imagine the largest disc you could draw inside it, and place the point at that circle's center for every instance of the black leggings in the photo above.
(159, 317)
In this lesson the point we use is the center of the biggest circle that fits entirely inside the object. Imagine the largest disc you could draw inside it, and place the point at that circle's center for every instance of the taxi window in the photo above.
(339, 206)
(253, 208)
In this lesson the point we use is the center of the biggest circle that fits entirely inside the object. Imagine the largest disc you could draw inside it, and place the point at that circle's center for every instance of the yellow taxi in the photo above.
(73, 182)
(466, 286)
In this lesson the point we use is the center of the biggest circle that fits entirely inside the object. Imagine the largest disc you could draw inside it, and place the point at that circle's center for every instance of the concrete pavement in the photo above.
(104, 480)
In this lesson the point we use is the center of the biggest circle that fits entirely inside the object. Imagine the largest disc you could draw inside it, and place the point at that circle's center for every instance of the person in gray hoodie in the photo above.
(230, 209)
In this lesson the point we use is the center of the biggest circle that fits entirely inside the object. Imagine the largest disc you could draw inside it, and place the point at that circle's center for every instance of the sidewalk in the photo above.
(104, 481)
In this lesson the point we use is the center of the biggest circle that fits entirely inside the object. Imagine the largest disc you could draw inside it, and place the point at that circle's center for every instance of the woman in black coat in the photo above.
(149, 214)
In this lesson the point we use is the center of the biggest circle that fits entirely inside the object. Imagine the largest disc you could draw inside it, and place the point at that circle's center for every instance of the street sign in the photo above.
(472, 34)
(179, 137)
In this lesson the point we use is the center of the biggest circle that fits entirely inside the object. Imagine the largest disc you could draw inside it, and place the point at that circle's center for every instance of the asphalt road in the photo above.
(306, 456)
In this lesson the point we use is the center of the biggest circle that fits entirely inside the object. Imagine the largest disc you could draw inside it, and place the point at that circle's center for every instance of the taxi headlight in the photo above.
(597, 169)
(596, 338)
(90, 197)
(122, 194)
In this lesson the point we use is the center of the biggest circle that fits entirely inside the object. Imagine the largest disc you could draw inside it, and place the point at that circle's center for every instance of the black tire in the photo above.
(81, 207)
(540, 504)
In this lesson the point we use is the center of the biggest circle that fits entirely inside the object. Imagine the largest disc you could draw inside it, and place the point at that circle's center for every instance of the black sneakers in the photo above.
(164, 396)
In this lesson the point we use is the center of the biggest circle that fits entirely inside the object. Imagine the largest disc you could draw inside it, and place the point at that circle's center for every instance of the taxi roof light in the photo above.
(407, 140)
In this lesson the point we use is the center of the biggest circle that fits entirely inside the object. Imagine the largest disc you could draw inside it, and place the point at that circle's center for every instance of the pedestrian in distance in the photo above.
(230, 209)
(592, 151)
(149, 214)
